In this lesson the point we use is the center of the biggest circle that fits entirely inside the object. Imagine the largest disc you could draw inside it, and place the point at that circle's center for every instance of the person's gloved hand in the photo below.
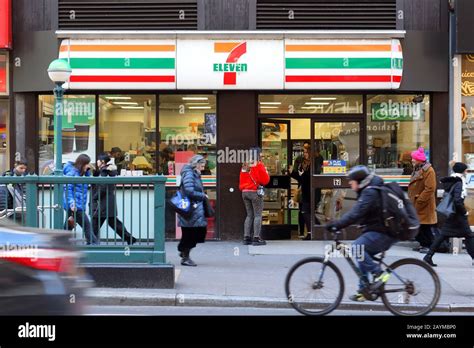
(332, 227)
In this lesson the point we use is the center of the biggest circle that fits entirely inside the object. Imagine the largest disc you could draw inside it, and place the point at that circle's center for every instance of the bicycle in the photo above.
(402, 294)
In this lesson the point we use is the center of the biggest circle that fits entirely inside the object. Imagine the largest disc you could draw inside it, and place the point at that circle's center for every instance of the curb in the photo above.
(200, 300)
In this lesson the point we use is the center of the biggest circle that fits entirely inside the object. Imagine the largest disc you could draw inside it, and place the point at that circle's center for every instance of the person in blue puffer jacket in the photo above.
(75, 197)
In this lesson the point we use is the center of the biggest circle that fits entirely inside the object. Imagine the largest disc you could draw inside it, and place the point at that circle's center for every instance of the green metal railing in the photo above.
(137, 203)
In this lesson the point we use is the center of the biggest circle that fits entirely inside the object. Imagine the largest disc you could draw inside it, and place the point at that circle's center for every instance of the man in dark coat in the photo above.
(456, 225)
(103, 203)
(375, 239)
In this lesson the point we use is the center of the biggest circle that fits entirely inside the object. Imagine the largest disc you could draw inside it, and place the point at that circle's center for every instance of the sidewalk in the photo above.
(230, 274)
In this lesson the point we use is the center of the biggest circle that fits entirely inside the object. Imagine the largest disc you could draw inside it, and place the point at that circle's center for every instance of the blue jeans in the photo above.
(366, 246)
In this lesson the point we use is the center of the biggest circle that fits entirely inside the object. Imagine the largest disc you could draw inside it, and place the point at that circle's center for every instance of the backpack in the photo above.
(398, 213)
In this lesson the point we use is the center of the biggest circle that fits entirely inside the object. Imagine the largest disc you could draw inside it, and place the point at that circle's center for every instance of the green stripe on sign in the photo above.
(338, 63)
(122, 63)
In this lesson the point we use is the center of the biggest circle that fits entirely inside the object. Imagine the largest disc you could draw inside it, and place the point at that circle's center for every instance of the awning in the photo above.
(270, 64)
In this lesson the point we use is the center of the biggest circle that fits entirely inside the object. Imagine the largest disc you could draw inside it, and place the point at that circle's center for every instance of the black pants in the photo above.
(468, 240)
(191, 236)
(425, 237)
(301, 220)
(113, 222)
(82, 220)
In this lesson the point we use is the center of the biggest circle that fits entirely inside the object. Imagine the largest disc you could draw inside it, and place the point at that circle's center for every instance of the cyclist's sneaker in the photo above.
(357, 297)
(380, 279)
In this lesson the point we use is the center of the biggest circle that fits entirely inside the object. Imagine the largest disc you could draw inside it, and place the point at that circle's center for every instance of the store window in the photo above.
(127, 125)
(3, 73)
(396, 125)
(4, 138)
(310, 104)
(187, 127)
(78, 130)
(467, 113)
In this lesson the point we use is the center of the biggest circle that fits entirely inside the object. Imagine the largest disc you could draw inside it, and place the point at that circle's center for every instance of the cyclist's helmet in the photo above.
(358, 173)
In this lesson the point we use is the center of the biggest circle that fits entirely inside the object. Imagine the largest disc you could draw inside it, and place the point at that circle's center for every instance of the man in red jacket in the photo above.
(253, 176)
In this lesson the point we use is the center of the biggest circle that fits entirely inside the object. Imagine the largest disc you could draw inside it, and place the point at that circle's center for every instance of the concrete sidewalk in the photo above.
(230, 274)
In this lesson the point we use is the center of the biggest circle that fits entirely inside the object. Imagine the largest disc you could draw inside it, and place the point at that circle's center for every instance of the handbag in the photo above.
(180, 203)
(260, 189)
(208, 209)
(446, 208)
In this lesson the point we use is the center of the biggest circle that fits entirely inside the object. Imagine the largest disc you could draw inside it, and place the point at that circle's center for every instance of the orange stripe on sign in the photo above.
(222, 47)
(117, 48)
(337, 48)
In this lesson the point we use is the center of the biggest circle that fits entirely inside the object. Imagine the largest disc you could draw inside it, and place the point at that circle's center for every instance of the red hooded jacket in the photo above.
(259, 175)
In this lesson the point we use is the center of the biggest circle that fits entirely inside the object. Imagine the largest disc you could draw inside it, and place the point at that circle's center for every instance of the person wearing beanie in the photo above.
(456, 225)
(193, 227)
(422, 193)
(366, 212)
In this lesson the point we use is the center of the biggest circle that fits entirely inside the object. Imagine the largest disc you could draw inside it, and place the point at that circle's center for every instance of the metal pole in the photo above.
(58, 128)
(58, 171)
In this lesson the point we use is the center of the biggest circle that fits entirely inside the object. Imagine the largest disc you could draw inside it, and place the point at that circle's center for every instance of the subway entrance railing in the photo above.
(134, 204)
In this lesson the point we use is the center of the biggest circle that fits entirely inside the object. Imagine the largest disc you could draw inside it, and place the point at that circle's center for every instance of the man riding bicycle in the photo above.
(374, 239)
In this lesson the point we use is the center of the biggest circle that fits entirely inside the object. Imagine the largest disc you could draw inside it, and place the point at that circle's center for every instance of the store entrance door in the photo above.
(274, 139)
(336, 147)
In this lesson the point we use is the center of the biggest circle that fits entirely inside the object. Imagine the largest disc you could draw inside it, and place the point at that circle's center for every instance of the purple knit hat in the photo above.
(419, 155)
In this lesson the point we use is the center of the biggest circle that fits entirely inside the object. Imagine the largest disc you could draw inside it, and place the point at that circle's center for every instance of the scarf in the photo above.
(419, 171)
(464, 183)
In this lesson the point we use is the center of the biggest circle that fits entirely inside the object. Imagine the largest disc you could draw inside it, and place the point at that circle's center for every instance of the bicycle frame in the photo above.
(345, 250)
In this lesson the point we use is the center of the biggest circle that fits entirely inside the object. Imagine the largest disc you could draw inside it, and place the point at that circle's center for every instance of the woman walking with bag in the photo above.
(194, 225)
(103, 202)
(253, 176)
(75, 197)
(421, 190)
(457, 224)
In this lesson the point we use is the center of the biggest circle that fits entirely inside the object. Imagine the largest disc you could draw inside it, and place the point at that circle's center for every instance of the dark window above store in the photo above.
(127, 15)
(330, 15)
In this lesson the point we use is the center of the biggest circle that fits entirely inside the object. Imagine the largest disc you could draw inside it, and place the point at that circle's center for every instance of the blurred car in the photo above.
(39, 272)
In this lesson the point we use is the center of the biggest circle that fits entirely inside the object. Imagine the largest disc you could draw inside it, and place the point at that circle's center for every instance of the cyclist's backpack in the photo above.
(398, 213)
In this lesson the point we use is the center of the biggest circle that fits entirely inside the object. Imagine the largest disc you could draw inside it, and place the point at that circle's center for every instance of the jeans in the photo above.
(82, 220)
(254, 207)
(366, 246)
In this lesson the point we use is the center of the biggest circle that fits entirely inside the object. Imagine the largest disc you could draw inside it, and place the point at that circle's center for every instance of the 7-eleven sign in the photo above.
(232, 51)
(229, 64)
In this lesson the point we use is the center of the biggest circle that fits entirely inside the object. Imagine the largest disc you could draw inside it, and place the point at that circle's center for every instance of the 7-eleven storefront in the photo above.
(161, 98)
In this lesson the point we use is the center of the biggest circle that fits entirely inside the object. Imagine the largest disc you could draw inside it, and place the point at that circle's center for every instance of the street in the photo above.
(217, 311)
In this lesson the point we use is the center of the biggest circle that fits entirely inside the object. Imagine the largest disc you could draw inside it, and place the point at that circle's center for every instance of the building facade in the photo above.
(363, 82)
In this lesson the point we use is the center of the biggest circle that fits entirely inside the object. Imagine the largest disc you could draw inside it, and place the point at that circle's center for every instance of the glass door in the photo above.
(275, 143)
(336, 147)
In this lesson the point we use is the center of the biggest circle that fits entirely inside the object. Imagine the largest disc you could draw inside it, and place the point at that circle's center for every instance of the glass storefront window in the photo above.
(79, 129)
(396, 125)
(467, 113)
(336, 147)
(187, 127)
(310, 104)
(3, 74)
(127, 126)
(4, 138)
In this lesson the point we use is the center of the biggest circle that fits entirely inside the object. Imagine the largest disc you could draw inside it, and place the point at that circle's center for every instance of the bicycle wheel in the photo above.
(314, 287)
(413, 288)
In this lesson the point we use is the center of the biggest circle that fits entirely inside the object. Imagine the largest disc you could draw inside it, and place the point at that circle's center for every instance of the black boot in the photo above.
(186, 260)
(428, 259)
